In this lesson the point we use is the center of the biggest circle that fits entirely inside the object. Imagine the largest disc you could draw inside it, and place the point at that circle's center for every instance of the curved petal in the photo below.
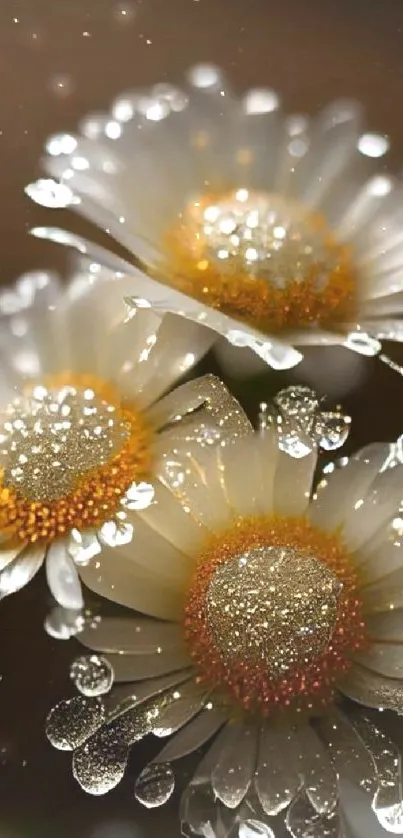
(277, 777)
(235, 767)
(191, 737)
(373, 690)
(340, 492)
(131, 635)
(293, 483)
(22, 569)
(142, 667)
(62, 576)
(115, 577)
(383, 658)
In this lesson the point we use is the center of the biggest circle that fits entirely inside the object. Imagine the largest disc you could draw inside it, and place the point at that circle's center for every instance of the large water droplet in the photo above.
(301, 425)
(391, 818)
(49, 193)
(155, 785)
(92, 675)
(63, 623)
(332, 429)
(70, 723)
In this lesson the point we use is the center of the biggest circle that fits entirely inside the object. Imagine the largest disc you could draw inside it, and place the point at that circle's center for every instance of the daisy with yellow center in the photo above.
(83, 428)
(273, 230)
(265, 603)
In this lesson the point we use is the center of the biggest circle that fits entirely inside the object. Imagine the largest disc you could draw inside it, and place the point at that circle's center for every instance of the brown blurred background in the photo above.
(58, 60)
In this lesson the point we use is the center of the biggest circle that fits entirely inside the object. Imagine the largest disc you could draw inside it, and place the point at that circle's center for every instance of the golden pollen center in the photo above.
(263, 259)
(69, 449)
(273, 615)
(274, 606)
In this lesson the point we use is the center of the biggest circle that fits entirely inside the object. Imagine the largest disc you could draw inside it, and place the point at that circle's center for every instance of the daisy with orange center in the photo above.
(275, 230)
(264, 602)
(83, 428)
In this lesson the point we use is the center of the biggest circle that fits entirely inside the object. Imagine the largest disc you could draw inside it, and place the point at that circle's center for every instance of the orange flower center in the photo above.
(263, 260)
(70, 448)
(273, 615)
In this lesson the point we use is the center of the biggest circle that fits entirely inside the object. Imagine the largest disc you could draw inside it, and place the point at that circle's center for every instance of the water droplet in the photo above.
(300, 423)
(72, 720)
(332, 430)
(48, 193)
(391, 818)
(155, 785)
(63, 623)
(363, 344)
(138, 496)
(92, 675)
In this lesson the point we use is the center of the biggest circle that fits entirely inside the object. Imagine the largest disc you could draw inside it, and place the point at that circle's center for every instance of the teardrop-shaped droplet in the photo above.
(155, 785)
(100, 763)
(92, 675)
(332, 429)
(63, 623)
(73, 720)
(49, 193)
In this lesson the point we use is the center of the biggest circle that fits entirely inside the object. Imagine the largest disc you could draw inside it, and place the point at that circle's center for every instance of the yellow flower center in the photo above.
(69, 448)
(273, 616)
(262, 259)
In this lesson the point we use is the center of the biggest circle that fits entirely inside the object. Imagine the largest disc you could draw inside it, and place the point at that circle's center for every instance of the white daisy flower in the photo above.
(273, 230)
(264, 606)
(84, 432)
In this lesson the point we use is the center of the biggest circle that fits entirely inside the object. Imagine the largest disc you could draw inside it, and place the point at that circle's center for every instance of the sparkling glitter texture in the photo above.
(69, 450)
(272, 605)
(263, 259)
(272, 615)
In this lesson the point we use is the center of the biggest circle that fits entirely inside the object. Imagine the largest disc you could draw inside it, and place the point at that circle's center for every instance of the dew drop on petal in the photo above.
(63, 623)
(373, 145)
(92, 675)
(155, 785)
(71, 721)
(48, 193)
(363, 344)
(139, 496)
(332, 429)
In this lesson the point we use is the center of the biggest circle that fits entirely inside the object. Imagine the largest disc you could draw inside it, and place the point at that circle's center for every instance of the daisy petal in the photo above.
(8, 553)
(383, 658)
(302, 817)
(373, 690)
(276, 779)
(62, 576)
(99, 764)
(139, 636)
(297, 473)
(233, 773)
(339, 493)
(19, 572)
(70, 723)
(189, 700)
(170, 519)
(350, 757)
(141, 667)
(191, 737)
(319, 776)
